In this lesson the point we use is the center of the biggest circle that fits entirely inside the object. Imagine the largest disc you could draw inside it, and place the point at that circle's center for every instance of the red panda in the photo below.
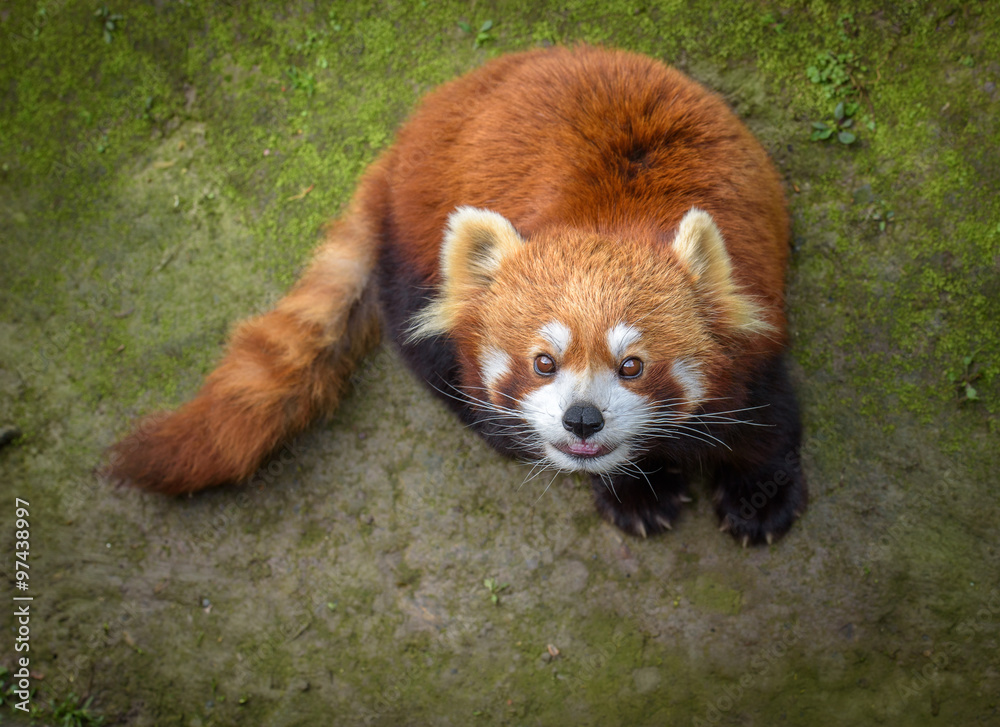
(583, 252)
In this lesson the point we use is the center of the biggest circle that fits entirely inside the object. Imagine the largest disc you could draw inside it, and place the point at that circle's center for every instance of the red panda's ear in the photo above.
(700, 248)
(475, 245)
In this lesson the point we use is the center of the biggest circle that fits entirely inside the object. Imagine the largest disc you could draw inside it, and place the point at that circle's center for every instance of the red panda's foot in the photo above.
(641, 505)
(759, 507)
(761, 490)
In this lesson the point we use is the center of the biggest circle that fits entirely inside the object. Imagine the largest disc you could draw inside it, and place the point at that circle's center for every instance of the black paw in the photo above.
(639, 506)
(763, 511)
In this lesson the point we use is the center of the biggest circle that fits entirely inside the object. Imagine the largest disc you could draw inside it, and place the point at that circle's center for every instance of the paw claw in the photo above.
(641, 508)
(768, 520)
(684, 498)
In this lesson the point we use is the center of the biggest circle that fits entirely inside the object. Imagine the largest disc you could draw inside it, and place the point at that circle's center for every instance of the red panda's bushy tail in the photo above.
(282, 369)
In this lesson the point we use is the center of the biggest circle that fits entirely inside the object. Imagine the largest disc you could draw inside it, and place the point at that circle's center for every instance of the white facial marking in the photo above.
(494, 364)
(620, 337)
(558, 335)
(624, 415)
(688, 375)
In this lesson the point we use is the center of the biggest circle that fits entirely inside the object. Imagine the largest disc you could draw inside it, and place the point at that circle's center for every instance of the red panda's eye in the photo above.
(630, 368)
(544, 365)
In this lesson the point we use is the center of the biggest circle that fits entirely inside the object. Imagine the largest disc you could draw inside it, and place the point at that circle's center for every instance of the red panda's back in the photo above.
(593, 139)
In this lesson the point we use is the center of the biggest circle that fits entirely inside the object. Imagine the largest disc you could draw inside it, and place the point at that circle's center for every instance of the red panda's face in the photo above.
(596, 346)
(585, 406)
(583, 348)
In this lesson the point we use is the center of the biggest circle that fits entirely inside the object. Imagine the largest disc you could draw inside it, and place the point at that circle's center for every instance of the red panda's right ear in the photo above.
(475, 245)
(700, 248)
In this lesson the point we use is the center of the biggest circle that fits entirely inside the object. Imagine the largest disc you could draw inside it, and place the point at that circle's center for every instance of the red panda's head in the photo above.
(584, 347)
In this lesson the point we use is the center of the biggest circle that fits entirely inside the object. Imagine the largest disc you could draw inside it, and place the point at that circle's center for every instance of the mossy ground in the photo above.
(158, 187)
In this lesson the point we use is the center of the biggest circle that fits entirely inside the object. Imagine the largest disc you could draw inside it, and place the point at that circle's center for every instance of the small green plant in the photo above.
(964, 379)
(884, 218)
(848, 26)
(771, 20)
(74, 712)
(301, 80)
(495, 588)
(835, 73)
(7, 687)
(312, 40)
(843, 120)
(482, 36)
(109, 21)
(841, 76)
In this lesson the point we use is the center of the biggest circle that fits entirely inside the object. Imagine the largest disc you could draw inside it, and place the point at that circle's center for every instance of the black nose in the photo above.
(583, 420)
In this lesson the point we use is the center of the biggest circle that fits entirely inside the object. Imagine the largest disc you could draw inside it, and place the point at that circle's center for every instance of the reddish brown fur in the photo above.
(545, 178)
(625, 171)
(624, 183)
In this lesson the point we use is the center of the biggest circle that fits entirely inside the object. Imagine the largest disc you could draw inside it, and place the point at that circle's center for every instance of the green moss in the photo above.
(709, 594)
(313, 533)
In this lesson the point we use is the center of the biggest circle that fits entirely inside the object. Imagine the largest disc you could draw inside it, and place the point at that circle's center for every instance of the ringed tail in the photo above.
(281, 370)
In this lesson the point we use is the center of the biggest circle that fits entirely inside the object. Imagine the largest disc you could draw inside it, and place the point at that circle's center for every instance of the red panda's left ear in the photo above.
(700, 248)
(475, 244)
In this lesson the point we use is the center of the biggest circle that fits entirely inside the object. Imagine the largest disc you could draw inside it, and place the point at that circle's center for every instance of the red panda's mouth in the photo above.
(583, 450)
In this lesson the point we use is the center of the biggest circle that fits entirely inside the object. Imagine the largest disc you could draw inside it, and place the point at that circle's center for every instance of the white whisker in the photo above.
(547, 486)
